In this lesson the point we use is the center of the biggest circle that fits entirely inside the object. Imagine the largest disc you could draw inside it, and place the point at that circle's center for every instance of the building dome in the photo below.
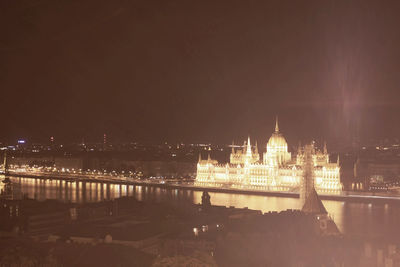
(277, 149)
(277, 142)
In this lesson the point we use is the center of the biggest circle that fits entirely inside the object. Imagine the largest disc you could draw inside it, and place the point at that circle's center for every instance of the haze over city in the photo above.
(200, 133)
(209, 71)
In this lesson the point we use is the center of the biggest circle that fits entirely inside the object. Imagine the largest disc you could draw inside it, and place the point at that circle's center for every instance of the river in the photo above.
(354, 218)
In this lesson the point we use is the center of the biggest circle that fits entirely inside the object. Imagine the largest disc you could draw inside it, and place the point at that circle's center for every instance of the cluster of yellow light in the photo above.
(275, 172)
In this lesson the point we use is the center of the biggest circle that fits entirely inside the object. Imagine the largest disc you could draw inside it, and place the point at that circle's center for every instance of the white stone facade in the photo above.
(276, 171)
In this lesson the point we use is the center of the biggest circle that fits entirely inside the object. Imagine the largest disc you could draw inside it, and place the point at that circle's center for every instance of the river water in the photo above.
(373, 219)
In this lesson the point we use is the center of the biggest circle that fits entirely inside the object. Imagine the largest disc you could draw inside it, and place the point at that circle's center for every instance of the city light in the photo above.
(276, 172)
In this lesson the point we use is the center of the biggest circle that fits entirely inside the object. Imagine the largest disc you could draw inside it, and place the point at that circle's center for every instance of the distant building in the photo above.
(277, 170)
(376, 171)
(69, 162)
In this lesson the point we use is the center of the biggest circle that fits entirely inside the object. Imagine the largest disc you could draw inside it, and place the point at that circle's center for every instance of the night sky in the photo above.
(199, 71)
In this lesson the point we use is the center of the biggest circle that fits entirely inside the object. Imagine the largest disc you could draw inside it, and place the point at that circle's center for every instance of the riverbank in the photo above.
(365, 197)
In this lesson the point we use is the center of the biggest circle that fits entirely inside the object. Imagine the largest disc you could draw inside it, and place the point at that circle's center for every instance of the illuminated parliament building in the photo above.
(278, 170)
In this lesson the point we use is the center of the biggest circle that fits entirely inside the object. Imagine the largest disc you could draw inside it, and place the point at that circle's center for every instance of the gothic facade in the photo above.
(278, 170)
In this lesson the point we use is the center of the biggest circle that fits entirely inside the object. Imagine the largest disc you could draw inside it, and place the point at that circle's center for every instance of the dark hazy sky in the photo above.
(199, 70)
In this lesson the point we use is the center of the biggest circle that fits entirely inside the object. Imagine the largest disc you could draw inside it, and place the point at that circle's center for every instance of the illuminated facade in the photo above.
(277, 171)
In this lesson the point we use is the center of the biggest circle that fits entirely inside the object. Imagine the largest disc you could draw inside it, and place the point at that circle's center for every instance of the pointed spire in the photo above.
(244, 147)
(338, 160)
(276, 125)
(325, 148)
(248, 146)
(256, 150)
(5, 167)
(313, 204)
(233, 147)
(199, 156)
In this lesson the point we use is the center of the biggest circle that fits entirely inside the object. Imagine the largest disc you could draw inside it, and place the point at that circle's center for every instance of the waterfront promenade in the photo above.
(353, 196)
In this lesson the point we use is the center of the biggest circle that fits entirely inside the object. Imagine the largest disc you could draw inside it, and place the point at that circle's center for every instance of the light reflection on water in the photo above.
(351, 218)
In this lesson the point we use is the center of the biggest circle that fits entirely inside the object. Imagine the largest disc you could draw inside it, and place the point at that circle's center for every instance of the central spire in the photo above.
(248, 146)
(276, 125)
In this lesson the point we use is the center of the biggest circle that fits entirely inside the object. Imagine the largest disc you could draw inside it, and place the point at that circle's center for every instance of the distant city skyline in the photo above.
(237, 142)
(173, 132)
